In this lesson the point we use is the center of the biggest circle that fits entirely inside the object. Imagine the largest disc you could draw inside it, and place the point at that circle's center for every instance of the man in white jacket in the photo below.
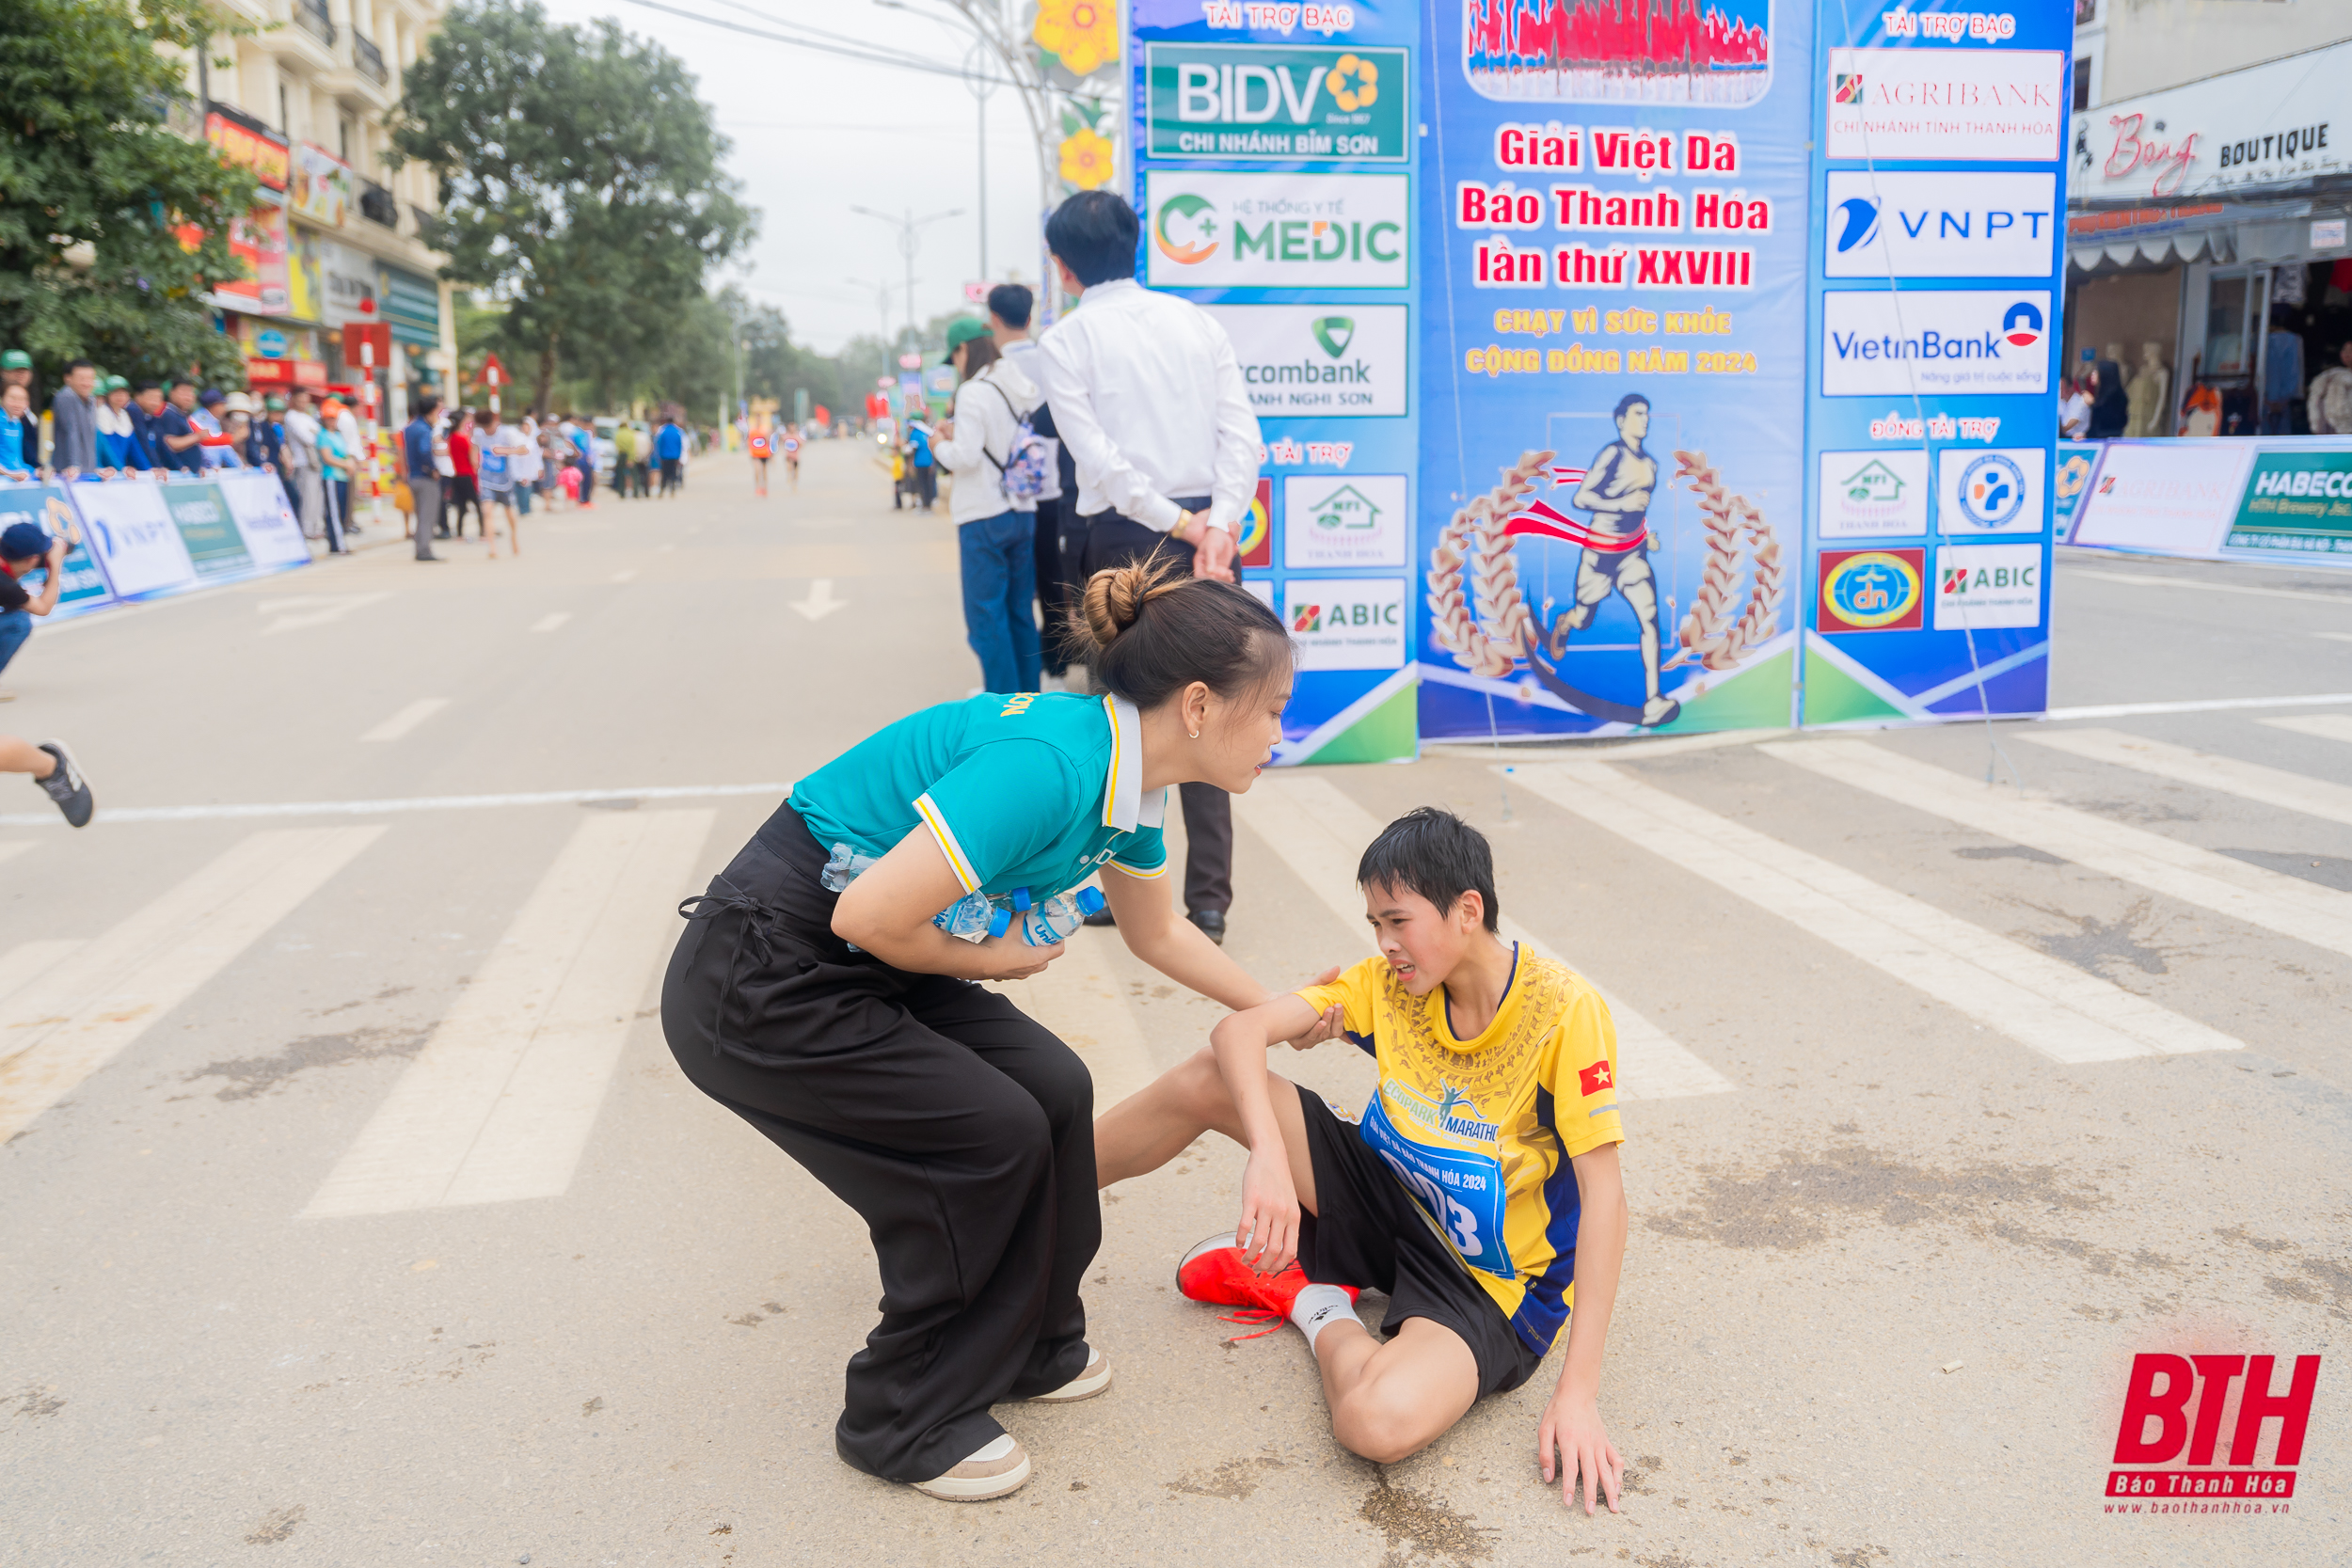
(1148, 397)
(995, 532)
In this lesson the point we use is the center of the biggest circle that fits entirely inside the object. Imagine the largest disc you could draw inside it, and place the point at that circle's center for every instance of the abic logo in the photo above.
(2159, 1430)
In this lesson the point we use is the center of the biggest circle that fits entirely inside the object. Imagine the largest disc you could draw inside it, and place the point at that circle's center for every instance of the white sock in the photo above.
(1317, 1307)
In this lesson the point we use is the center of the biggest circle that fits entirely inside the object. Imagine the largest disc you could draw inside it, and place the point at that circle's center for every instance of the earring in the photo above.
(1195, 734)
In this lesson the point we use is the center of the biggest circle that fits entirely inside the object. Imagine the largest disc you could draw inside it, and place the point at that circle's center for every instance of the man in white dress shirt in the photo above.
(1148, 400)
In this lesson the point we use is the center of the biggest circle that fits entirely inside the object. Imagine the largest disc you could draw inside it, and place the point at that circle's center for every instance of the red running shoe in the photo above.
(1216, 1273)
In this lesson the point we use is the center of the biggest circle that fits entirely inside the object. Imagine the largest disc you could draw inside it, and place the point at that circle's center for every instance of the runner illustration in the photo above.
(1617, 490)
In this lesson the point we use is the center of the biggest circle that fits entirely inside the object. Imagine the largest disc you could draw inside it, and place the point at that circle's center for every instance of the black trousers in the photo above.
(961, 1131)
(1059, 554)
(1112, 540)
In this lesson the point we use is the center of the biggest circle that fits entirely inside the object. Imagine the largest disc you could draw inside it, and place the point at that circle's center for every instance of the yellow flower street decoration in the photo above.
(1352, 98)
(1086, 160)
(1083, 34)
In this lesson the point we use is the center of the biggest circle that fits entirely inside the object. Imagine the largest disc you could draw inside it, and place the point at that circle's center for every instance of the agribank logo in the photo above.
(1877, 343)
(1210, 229)
(1994, 106)
(1941, 225)
(1311, 360)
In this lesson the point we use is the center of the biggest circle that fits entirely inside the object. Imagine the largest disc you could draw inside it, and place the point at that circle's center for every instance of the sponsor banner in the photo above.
(1256, 542)
(2077, 461)
(209, 531)
(1243, 102)
(273, 534)
(1355, 520)
(132, 532)
(1213, 230)
(2164, 498)
(2269, 127)
(1948, 105)
(48, 505)
(1872, 590)
(1345, 623)
(1981, 586)
(2296, 501)
(1874, 495)
(1997, 491)
(1876, 343)
(1945, 224)
(1719, 56)
(1333, 362)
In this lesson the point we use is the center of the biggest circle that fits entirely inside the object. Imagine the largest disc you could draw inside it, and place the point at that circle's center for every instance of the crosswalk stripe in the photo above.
(2272, 786)
(2327, 727)
(407, 719)
(1321, 834)
(551, 619)
(27, 961)
(2037, 1000)
(76, 1015)
(2287, 905)
(500, 1103)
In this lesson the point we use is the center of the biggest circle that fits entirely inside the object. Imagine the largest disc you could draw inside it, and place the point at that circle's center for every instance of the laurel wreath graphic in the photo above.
(1488, 626)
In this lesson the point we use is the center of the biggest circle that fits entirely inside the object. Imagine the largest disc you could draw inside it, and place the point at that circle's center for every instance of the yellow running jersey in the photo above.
(1481, 1131)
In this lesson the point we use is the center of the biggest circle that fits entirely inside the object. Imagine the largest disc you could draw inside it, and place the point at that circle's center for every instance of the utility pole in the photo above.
(910, 230)
(977, 77)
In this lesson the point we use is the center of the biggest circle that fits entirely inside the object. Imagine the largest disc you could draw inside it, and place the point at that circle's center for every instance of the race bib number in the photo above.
(1459, 1190)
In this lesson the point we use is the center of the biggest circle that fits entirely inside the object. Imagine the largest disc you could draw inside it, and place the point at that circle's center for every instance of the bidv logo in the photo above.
(1992, 490)
(2173, 1411)
(1941, 225)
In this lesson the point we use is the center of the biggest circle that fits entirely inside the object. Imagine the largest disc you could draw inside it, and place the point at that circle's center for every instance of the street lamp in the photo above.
(909, 228)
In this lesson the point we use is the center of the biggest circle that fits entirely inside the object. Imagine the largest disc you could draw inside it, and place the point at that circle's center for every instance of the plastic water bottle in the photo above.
(975, 917)
(1058, 918)
(844, 869)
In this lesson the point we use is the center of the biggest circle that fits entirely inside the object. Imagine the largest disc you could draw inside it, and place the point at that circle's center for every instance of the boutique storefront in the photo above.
(2206, 244)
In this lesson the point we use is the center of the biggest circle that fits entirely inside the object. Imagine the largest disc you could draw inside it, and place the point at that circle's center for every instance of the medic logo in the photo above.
(2021, 327)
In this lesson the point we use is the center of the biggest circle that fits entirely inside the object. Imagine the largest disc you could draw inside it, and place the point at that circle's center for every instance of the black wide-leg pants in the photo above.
(959, 1130)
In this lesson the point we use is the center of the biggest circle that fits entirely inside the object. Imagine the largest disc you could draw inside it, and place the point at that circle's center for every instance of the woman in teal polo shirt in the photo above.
(846, 1027)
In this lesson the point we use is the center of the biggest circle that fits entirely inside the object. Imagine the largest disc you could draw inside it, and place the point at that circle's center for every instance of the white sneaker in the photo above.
(1087, 1384)
(996, 1471)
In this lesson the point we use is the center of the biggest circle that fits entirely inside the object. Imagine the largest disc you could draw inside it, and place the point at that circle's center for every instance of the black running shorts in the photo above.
(1371, 1234)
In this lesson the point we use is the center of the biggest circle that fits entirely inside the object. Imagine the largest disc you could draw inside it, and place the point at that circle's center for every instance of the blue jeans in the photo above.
(17, 625)
(999, 581)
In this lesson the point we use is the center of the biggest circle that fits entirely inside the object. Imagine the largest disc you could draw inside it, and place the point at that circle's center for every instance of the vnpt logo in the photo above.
(2023, 325)
(2159, 1430)
(1861, 213)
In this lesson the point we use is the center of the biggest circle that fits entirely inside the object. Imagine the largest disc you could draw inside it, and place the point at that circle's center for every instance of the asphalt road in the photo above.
(354, 1212)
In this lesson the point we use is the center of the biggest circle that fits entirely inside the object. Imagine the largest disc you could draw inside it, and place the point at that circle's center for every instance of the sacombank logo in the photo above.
(1185, 229)
(2021, 327)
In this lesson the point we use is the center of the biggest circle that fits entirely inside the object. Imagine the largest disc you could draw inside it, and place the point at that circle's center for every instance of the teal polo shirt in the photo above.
(1030, 790)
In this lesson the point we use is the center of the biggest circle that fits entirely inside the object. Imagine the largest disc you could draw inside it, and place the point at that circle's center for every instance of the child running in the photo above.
(1479, 1182)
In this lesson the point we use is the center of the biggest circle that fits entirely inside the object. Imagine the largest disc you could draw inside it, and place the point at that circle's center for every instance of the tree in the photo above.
(579, 181)
(112, 224)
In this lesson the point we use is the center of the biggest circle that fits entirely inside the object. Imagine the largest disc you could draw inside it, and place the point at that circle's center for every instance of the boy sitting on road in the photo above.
(1497, 1068)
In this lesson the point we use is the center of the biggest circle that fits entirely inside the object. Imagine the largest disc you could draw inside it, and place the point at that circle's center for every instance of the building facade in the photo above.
(334, 243)
(2208, 199)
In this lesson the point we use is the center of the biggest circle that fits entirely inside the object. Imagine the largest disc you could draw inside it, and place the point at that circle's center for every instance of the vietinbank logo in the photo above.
(1947, 224)
(1217, 230)
(1299, 360)
(1876, 343)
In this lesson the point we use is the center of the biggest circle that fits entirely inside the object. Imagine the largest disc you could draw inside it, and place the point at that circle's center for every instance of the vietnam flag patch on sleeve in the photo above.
(1597, 1079)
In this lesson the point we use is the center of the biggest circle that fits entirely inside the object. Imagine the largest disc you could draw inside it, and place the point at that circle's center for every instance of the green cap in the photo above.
(962, 331)
(16, 359)
(112, 384)
(274, 403)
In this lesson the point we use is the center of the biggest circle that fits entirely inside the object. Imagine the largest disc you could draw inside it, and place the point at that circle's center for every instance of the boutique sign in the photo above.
(2277, 125)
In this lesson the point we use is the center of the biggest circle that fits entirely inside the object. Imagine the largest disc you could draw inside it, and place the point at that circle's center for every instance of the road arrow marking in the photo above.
(821, 602)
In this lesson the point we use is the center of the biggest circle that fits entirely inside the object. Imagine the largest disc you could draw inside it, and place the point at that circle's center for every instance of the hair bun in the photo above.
(1115, 598)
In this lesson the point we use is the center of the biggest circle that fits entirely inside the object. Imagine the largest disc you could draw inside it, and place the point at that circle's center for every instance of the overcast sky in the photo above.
(816, 134)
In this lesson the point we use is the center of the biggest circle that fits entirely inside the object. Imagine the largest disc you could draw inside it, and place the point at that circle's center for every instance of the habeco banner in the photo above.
(1251, 102)
(1215, 230)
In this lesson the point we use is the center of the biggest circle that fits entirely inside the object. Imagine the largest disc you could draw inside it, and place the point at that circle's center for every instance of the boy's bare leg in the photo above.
(1156, 1123)
(19, 755)
(1390, 1402)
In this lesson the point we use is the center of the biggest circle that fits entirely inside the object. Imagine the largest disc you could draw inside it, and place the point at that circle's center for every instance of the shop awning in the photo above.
(2150, 253)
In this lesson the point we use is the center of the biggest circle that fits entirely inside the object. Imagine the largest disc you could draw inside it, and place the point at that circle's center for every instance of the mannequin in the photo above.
(2146, 392)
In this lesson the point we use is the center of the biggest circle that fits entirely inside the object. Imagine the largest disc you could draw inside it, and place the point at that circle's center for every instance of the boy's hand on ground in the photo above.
(1572, 1424)
(1268, 1233)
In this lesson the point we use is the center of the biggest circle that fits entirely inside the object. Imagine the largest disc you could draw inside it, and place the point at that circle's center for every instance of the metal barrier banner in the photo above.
(84, 588)
(152, 538)
(2284, 500)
